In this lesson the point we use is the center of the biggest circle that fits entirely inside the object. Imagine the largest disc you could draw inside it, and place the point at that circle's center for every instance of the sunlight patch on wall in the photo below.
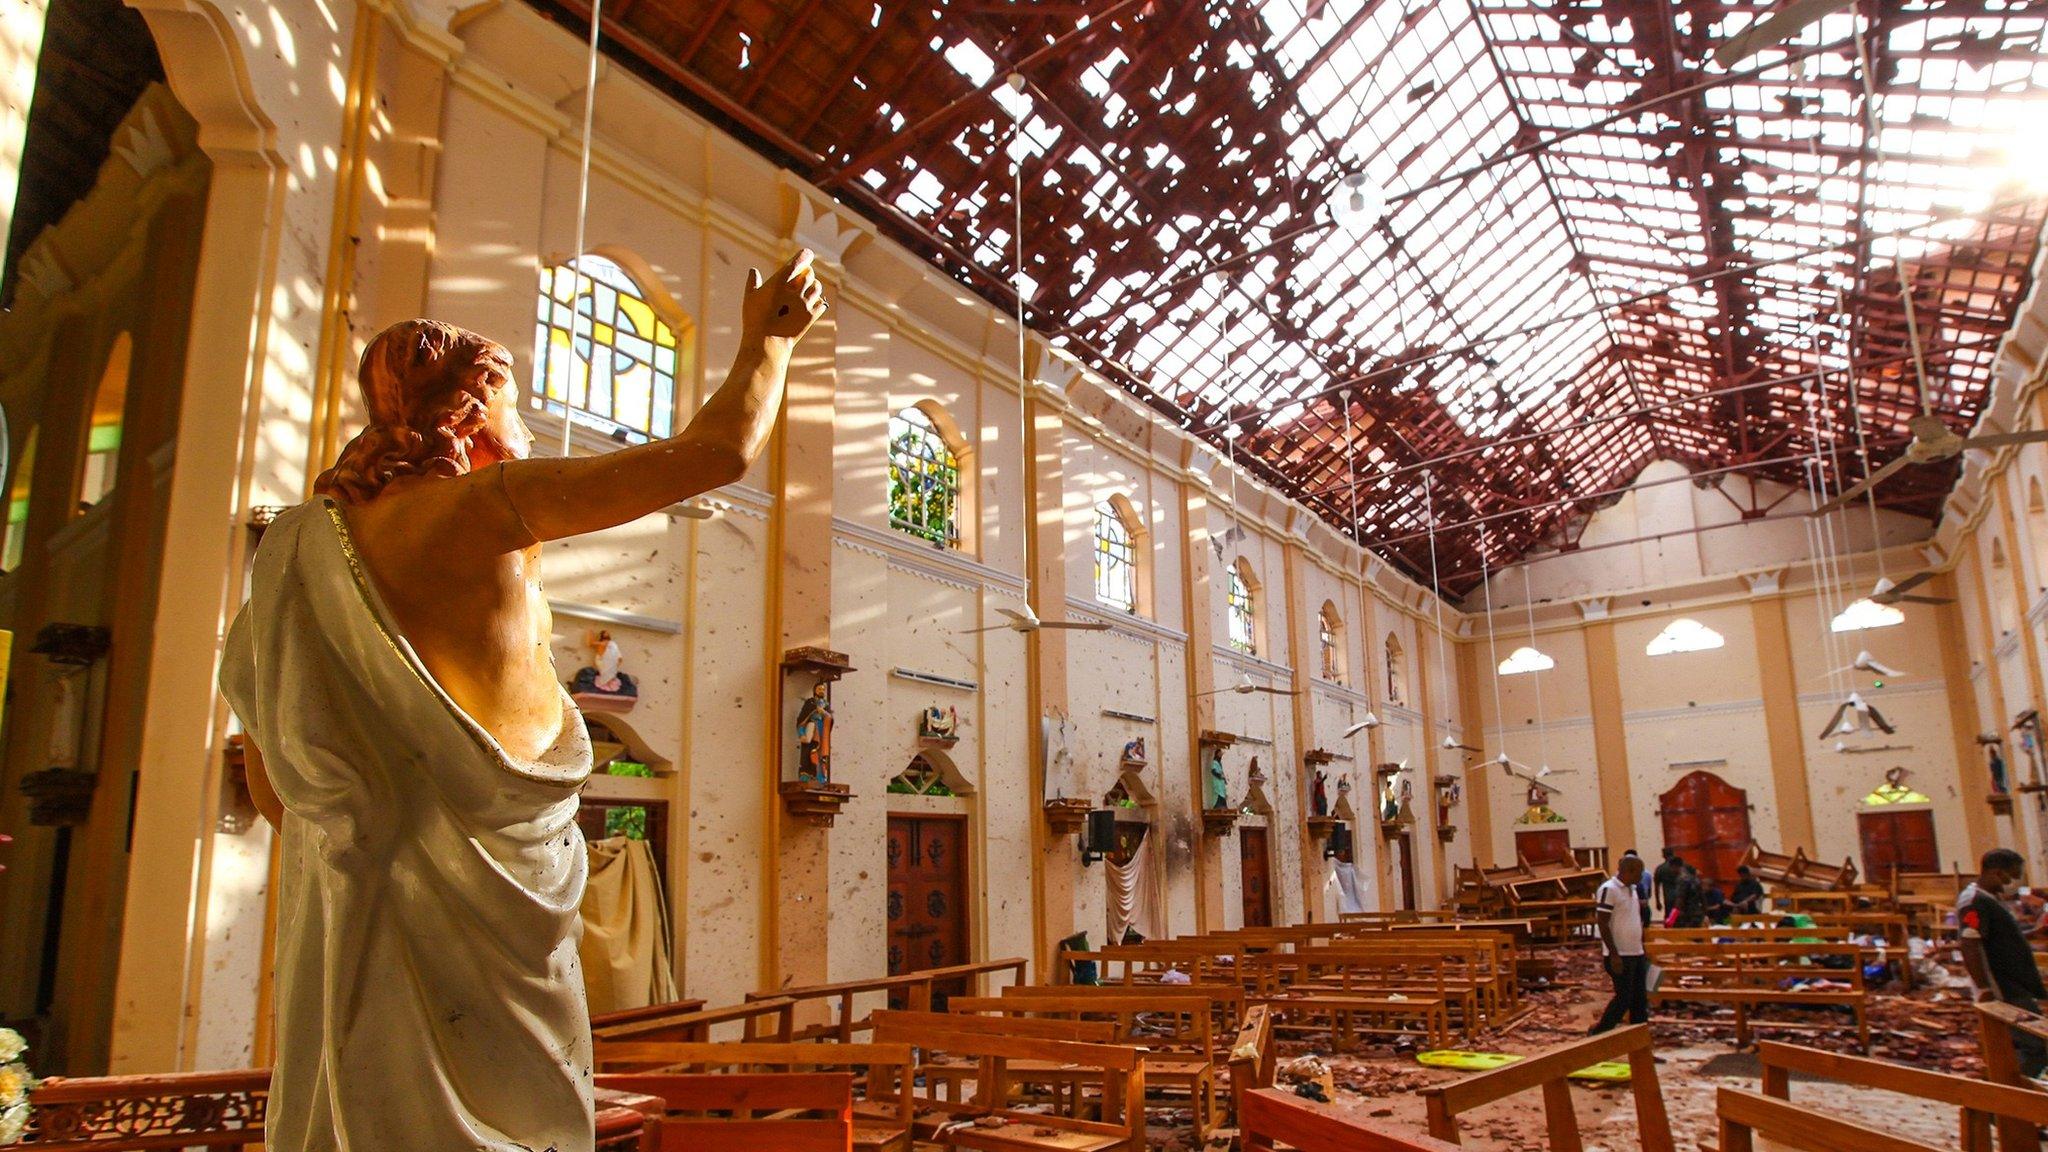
(1684, 635)
(1867, 614)
(1526, 660)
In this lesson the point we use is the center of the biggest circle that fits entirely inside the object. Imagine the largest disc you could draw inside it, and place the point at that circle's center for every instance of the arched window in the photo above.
(103, 434)
(1116, 560)
(1330, 637)
(1526, 659)
(1240, 601)
(1683, 635)
(1397, 675)
(600, 347)
(924, 479)
(2037, 531)
(17, 505)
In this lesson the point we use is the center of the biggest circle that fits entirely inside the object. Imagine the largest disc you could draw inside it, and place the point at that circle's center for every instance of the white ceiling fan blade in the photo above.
(1275, 691)
(1856, 492)
(1779, 27)
(990, 628)
(2003, 439)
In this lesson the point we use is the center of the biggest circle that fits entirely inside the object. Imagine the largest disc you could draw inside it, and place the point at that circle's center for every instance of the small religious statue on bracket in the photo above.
(604, 686)
(1390, 798)
(1134, 751)
(936, 725)
(1995, 760)
(814, 736)
(1319, 795)
(1217, 796)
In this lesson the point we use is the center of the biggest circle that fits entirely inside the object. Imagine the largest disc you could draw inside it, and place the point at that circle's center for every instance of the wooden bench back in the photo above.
(754, 1108)
(845, 998)
(1120, 1068)
(1253, 1058)
(1191, 1018)
(1760, 965)
(1747, 1115)
(645, 1012)
(1982, 1104)
(904, 1025)
(771, 1019)
(1549, 1070)
(1268, 1118)
(889, 1068)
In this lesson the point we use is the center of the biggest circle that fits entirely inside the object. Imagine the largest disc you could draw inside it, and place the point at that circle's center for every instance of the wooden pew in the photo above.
(917, 988)
(1253, 1059)
(1116, 1068)
(1747, 1115)
(1181, 1062)
(947, 1078)
(219, 1110)
(1273, 1119)
(1549, 1070)
(772, 1019)
(1797, 871)
(1996, 1023)
(648, 1012)
(1981, 1103)
(759, 1109)
(1748, 975)
(1893, 956)
(882, 1121)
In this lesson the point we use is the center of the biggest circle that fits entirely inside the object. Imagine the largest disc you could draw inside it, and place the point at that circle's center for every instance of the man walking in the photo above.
(1667, 875)
(1618, 913)
(1995, 951)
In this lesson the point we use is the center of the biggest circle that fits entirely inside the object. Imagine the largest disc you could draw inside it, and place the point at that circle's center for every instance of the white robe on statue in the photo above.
(429, 997)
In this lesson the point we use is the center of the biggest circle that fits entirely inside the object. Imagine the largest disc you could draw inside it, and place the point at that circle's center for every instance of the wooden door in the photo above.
(1706, 820)
(927, 896)
(1543, 845)
(1897, 842)
(1255, 871)
(1404, 858)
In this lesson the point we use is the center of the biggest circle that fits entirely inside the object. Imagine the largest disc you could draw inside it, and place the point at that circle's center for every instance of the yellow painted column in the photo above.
(1610, 740)
(1197, 565)
(1058, 868)
(2001, 491)
(797, 890)
(1781, 722)
(1306, 650)
(1964, 723)
(1478, 804)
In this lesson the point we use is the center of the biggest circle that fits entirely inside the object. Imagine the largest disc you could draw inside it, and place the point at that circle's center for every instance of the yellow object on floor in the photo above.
(1607, 1071)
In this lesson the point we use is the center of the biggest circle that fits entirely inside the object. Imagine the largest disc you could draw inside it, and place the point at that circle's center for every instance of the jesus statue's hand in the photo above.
(775, 315)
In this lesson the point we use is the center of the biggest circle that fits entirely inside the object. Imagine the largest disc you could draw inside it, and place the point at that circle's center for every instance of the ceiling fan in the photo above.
(1775, 29)
(1857, 717)
(1371, 721)
(1932, 443)
(1888, 592)
(1865, 662)
(1027, 622)
(1529, 776)
(1246, 687)
(1452, 742)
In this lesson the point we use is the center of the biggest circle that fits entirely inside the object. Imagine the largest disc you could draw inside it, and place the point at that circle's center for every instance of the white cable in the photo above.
(1436, 600)
(1017, 285)
(1500, 716)
(1542, 724)
(576, 252)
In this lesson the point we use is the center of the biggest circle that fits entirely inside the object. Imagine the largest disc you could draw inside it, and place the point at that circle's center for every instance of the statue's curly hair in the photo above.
(427, 386)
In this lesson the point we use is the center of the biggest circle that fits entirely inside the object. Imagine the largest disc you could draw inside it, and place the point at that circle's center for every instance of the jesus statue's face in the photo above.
(504, 436)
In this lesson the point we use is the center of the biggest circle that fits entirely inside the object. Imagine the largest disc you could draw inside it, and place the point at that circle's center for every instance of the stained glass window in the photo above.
(1330, 632)
(924, 479)
(103, 439)
(1116, 567)
(1891, 792)
(1242, 636)
(921, 778)
(600, 347)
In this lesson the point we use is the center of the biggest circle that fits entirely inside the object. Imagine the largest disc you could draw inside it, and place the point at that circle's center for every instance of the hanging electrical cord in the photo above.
(1542, 724)
(1500, 717)
(1436, 599)
(576, 252)
(1016, 83)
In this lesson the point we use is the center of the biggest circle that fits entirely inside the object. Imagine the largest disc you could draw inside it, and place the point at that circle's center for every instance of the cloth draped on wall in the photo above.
(1350, 894)
(1130, 882)
(429, 995)
(625, 949)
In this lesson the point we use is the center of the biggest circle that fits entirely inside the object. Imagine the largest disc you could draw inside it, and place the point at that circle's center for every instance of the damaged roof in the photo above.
(1477, 259)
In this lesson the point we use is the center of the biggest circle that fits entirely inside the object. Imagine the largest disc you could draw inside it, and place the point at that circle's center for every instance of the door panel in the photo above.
(1254, 871)
(1543, 845)
(927, 889)
(1706, 820)
(1404, 855)
(1897, 841)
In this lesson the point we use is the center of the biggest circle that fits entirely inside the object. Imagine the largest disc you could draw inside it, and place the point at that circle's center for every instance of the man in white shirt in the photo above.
(1619, 916)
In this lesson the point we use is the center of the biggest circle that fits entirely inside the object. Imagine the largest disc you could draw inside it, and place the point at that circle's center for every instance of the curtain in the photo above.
(1350, 896)
(625, 946)
(1130, 882)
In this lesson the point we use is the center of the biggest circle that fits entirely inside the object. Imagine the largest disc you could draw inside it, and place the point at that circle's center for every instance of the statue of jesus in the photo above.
(409, 738)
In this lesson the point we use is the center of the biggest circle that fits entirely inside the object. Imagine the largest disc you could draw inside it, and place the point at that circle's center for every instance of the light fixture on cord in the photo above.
(1358, 204)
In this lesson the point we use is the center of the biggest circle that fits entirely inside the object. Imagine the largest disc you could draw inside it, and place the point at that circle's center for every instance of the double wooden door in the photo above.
(927, 893)
(1897, 842)
(1255, 873)
(1706, 820)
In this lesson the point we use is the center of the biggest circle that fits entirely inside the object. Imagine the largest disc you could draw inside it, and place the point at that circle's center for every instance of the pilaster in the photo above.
(1780, 692)
(1610, 740)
